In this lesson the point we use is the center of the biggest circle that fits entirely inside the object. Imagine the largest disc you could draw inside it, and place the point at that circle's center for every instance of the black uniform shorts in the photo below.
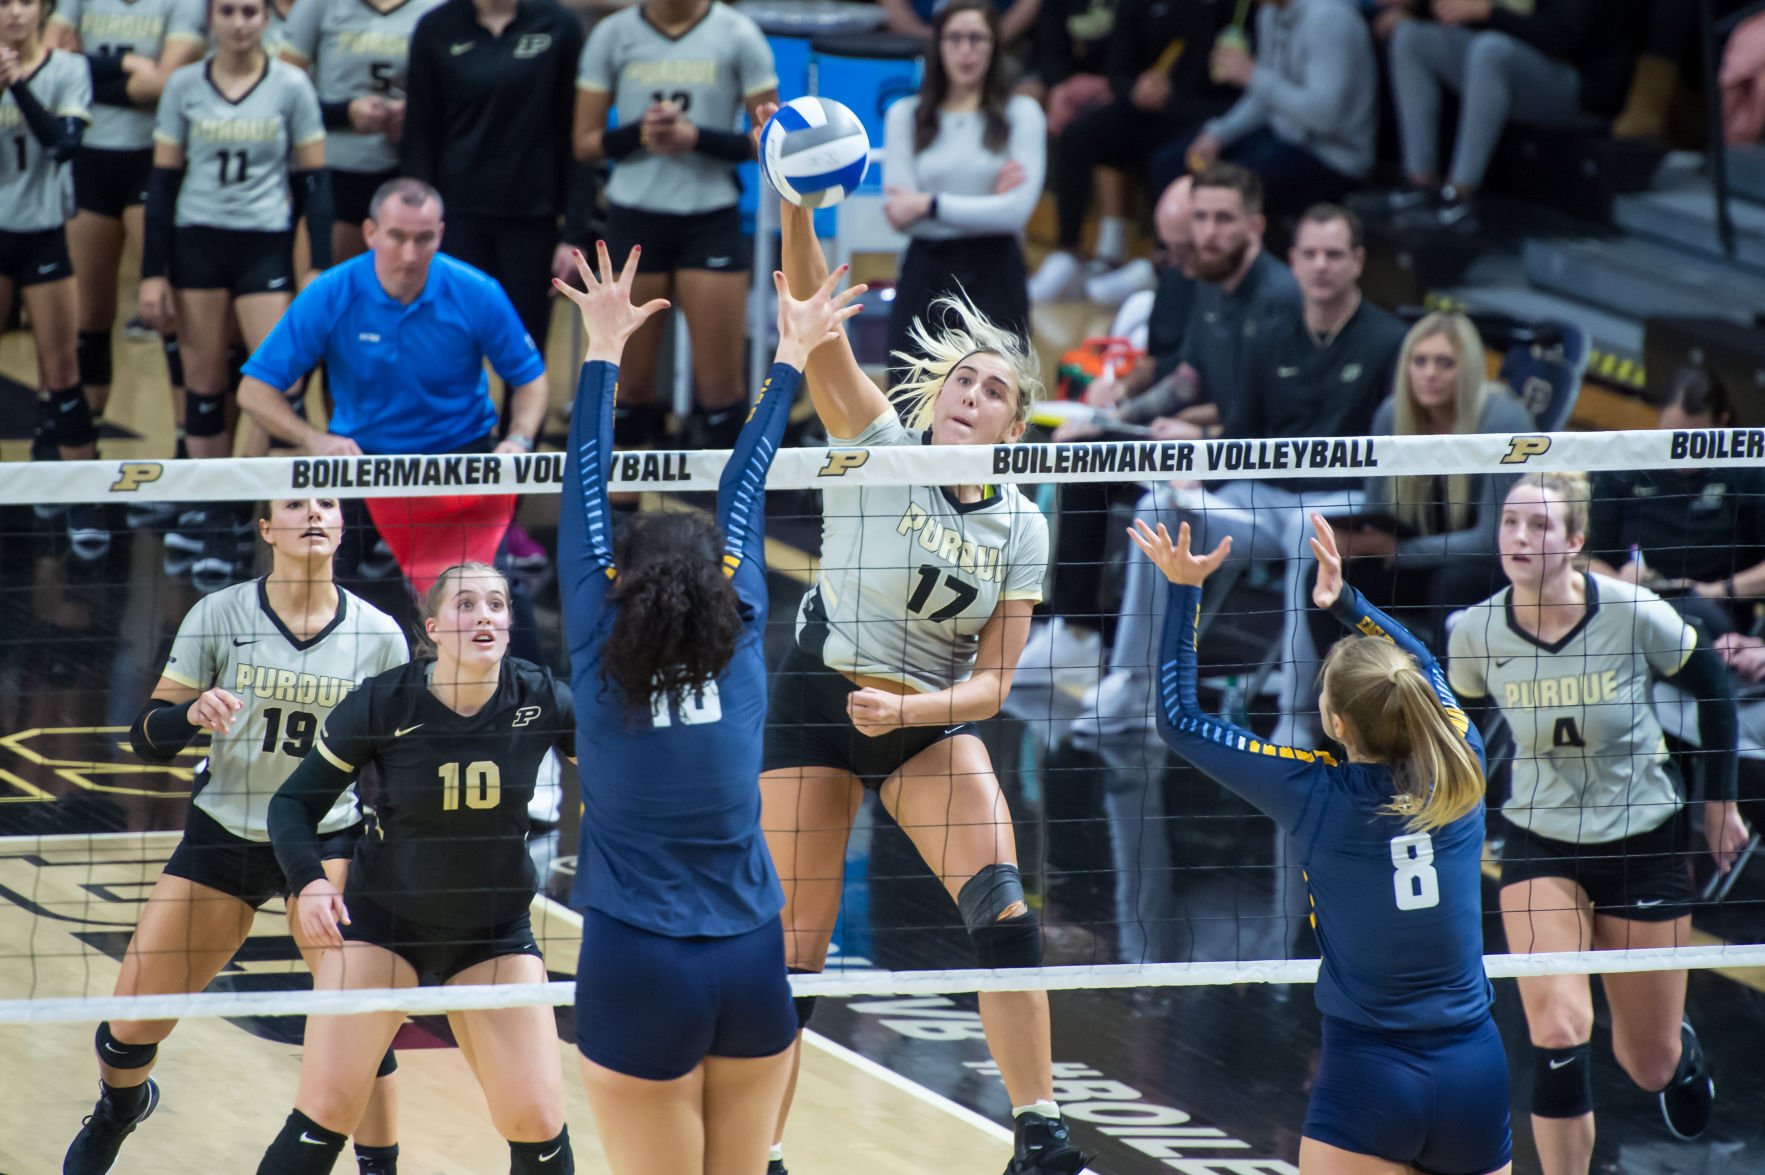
(353, 191)
(700, 240)
(807, 725)
(107, 181)
(436, 953)
(213, 856)
(1644, 878)
(240, 261)
(31, 259)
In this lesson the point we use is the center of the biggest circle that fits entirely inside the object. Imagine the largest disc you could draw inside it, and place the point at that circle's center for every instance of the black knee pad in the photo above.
(805, 1003)
(174, 360)
(95, 358)
(118, 1055)
(1009, 942)
(543, 1158)
(376, 1160)
(1562, 1082)
(74, 425)
(388, 1063)
(303, 1147)
(205, 415)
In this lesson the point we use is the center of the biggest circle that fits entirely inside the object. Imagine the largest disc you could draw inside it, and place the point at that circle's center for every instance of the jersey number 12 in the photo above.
(1416, 882)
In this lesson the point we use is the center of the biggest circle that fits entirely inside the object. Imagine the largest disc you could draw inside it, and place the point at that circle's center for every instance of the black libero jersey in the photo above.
(446, 843)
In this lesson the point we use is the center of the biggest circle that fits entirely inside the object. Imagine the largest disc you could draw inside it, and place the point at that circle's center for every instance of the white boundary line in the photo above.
(908, 1086)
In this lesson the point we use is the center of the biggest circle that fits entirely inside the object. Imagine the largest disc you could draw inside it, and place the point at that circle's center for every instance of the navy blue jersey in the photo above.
(1398, 913)
(670, 837)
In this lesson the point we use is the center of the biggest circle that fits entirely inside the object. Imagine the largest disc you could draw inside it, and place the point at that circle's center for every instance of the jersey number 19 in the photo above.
(1416, 883)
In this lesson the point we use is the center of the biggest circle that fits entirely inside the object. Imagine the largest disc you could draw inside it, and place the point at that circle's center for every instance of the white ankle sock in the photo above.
(776, 1154)
(1112, 239)
(1046, 1109)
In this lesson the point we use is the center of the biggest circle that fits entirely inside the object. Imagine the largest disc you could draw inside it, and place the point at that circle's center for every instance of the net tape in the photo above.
(1067, 461)
(431, 1000)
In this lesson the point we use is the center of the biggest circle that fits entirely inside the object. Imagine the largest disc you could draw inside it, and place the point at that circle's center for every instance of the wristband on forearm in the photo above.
(335, 115)
(622, 141)
(731, 145)
(162, 203)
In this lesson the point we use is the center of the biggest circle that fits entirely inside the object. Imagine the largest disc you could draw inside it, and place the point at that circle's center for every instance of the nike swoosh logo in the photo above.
(1502, 661)
(276, 283)
(463, 47)
(718, 262)
(1286, 372)
(1558, 1064)
(1650, 902)
(237, 642)
(50, 268)
(113, 1048)
(400, 733)
(550, 1157)
(310, 1140)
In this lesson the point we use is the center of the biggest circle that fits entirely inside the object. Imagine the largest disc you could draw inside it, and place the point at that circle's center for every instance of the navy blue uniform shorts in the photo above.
(1436, 1099)
(652, 1006)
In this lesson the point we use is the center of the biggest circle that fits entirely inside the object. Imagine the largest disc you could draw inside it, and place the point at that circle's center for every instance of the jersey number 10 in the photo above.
(483, 785)
(1416, 882)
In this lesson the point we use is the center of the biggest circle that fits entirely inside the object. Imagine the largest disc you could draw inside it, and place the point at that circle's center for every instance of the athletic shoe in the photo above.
(1042, 1148)
(101, 1135)
(1118, 285)
(150, 515)
(137, 331)
(776, 1167)
(1689, 1098)
(88, 531)
(189, 534)
(1060, 278)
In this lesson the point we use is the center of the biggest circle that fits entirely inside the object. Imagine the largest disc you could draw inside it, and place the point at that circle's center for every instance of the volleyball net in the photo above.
(1144, 872)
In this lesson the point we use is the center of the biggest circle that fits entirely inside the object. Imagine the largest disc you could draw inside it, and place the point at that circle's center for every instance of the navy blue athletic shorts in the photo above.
(248, 870)
(1436, 1099)
(652, 1006)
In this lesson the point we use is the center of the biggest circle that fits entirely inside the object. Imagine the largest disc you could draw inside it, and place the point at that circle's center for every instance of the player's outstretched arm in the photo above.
(844, 397)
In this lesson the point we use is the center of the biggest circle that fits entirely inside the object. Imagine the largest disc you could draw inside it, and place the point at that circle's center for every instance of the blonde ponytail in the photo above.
(935, 356)
(1394, 717)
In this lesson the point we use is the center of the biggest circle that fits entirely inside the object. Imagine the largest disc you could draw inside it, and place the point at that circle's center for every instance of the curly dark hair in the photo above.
(678, 619)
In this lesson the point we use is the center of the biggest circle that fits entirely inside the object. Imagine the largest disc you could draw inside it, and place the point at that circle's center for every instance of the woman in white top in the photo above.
(963, 165)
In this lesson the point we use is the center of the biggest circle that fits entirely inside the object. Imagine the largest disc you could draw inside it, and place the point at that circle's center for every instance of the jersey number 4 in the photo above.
(1416, 883)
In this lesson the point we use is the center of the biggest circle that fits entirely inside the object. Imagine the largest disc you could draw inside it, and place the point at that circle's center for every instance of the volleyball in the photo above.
(814, 152)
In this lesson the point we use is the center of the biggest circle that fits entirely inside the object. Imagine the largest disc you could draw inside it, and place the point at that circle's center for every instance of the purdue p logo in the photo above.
(132, 475)
(842, 461)
(525, 715)
(1525, 448)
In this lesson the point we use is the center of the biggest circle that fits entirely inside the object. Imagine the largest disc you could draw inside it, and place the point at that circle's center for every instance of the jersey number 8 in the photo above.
(484, 785)
(1416, 883)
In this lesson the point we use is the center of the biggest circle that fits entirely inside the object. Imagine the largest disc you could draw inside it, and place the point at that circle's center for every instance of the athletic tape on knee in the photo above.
(388, 1063)
(205, 415)
(74, 425)
(543, 1158)
(95, 358)
(805, 1003)
(988, 894)
(1562, 1082)
(174, 360)
(118, 1055)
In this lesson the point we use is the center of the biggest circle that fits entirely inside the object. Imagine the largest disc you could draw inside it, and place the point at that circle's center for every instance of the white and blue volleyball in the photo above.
(814, 152)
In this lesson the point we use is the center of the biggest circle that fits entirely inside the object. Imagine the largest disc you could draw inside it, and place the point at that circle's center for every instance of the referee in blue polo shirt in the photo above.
(403, 334)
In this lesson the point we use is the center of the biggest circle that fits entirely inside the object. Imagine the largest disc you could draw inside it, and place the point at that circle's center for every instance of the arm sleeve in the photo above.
(1355, 613)
(1705, 678)
(741, 491)
(296, 344)
(585, 528)
(564, 700)
(422, 108)
(1007, 212)
(302, 30)
(160, 217)
(312, 194)
(506, 343)
(1337, 49)
(59, 134)
(162, 729)
(294, 815)
(1278, 780)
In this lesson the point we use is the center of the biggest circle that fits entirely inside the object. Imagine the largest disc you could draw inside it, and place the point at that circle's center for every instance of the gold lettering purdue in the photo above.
(1577, 689)
(373, 43)
(286, 685)
(236, 130)
(672, 73)
(942, 542)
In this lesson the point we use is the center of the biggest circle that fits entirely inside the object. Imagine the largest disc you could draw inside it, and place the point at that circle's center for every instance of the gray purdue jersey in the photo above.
(1590, 764)
(37, 193)
(909, 576)
(232, 640)
(707, 72)
(236, 154)
(356, 51)
(129, 26)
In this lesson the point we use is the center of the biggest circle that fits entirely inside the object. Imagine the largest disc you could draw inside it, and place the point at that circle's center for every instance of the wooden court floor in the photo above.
(67, 904)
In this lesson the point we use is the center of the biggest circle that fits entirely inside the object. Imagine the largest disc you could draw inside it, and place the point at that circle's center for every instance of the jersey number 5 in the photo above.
(1416, 882)
(483, 785)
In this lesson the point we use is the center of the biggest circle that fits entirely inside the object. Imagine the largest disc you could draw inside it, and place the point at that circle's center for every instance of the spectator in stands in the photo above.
(1423, 547)
(1157, 88)
(1072, 46)
(1317, 369)
(1238, 285)
(915, 18)
(1695, 536)
(490, 91)
(1309, 114)
(1554, 63)
(962, 169)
